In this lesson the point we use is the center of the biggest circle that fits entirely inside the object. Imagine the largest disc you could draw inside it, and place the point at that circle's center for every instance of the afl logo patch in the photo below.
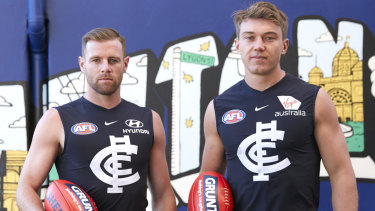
(233, 116)
(84, 128)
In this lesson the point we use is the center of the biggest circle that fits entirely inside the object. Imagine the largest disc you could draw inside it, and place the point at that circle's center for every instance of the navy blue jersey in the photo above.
(273, 161)
(107, 152)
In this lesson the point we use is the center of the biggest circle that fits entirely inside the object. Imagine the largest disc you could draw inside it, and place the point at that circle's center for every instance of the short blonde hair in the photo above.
(102, 34)
(263, 10)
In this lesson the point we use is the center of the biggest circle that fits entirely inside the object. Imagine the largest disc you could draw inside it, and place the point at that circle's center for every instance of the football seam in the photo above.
(61, 193)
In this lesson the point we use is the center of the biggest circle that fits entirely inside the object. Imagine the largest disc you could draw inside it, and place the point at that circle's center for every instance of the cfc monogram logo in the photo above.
(114, 174)
(257, 153)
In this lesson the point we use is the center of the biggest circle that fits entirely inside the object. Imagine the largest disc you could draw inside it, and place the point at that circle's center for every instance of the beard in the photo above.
(104, 87)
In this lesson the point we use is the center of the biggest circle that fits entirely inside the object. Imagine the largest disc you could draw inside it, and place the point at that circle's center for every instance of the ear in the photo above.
(81, 62)
(285, 46)
(237, 44)
(126, 63)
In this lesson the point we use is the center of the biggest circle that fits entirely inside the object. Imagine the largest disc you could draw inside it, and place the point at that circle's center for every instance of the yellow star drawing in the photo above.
(165, 64)
(188, 78)
(205, 46)
(189, 123)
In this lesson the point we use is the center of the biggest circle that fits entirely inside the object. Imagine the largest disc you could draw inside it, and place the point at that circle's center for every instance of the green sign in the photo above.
(197, 59)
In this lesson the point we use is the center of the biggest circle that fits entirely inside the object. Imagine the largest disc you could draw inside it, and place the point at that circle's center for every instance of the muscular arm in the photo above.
(44, 148)
(162, 194)
(213, 153)
(335, 156)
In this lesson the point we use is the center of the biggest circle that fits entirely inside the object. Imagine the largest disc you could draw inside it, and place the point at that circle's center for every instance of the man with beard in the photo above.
(106, 145)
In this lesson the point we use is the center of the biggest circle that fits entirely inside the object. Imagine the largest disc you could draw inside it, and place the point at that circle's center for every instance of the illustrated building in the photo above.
(345, 87)
(14, 161)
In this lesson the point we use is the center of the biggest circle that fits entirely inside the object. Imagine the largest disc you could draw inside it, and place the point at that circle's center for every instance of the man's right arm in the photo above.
(213, 153)
(44, 148)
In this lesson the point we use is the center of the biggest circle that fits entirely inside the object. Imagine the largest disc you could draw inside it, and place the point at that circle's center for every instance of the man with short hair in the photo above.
(106, 145)
(271, 130)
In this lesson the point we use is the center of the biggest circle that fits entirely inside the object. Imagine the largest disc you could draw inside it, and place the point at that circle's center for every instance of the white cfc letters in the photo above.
(257, 152)
(112, 164)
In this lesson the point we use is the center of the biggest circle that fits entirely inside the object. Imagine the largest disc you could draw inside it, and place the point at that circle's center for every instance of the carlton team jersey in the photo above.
(273, 161)
(107, 152)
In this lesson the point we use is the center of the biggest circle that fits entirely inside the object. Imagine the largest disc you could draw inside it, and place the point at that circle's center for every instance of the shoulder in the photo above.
(234, 93)
(234, 88)
(155, 117)
(158, 127)
(70, 105)
(324, 102)
(210, 112)
(49, 126)
(133, 106)
(291, 79)
(298, 88)
(51, 114)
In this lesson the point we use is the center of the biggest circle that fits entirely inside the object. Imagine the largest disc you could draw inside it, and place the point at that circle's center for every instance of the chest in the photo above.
(122, 133)
(278, 122)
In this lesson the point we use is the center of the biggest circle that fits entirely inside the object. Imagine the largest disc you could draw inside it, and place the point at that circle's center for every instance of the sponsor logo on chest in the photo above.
(291, 106)
(136, 126)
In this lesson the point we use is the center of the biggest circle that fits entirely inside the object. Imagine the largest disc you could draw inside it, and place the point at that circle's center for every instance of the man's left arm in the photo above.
(334, 153)
(163, 197)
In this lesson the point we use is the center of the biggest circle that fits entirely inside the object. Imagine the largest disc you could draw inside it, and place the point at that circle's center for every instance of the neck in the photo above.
(262, 82)
(105, 101)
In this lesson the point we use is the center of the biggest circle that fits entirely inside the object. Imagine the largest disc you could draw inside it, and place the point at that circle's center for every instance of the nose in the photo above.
(105, 67)
(259, 44)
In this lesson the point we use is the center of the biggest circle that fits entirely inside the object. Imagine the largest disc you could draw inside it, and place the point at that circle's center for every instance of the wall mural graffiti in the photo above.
(13, 118)
(336, 64)
(189, 73)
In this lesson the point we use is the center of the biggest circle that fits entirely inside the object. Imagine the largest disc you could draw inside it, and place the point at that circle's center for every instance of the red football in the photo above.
(65, 195)
(210, 191)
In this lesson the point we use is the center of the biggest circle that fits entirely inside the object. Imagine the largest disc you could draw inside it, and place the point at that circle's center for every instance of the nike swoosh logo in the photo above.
(109, 123)
(258, 109)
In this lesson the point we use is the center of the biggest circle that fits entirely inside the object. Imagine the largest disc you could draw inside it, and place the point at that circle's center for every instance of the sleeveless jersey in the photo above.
(107, 152)
(273, 161)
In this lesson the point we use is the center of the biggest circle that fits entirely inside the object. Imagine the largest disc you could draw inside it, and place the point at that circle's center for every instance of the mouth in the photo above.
(104, 78)
(258, 57)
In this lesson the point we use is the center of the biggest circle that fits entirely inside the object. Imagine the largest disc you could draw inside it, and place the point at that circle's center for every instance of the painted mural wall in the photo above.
(190, 70)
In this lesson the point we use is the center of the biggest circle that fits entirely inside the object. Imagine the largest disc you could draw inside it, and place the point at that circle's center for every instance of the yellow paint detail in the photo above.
(14, 163)
(188, 78)
(189, 123)
(165, 64)
(205, 46)
(345, 87)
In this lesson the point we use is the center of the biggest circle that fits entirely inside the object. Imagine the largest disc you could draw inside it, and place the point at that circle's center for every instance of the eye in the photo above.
(249, 38)
(95, 60)
(113, 60)
(269, 38)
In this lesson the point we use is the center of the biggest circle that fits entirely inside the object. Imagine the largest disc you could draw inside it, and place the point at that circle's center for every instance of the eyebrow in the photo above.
(111, 57)
(250, 32)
